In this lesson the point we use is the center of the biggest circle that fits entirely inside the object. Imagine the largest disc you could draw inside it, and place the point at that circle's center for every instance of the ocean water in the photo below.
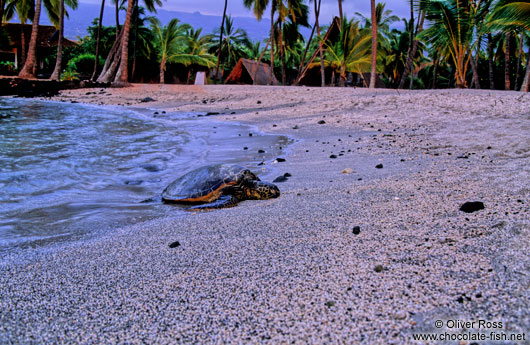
(72, 170)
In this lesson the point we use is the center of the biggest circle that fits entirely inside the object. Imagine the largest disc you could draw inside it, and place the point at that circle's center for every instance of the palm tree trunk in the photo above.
(2, 5)
(219, 77)
(320, 49)
(374, 46)
(411, 54)
(490, 62)
(98, 39)
(112, 61)
(30, 66)
(122, 76)
(519, 55)
(23, 51)
(272, 43)
(342, 82)
(507, 47)
(526, 82)
(117, 18)
(282, 55)
(56, 75)
(434, 72)
(474, 70)
(162, 70)
(135, 40)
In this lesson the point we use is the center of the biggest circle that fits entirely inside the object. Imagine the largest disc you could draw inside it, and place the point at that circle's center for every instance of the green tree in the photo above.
(351, 52)
(235, 43)
(169, 41)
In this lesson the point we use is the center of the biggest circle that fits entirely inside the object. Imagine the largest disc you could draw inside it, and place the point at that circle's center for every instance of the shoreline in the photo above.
(291, 269)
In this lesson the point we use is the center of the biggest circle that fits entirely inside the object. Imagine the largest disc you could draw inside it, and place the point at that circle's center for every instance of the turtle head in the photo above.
(259, 190)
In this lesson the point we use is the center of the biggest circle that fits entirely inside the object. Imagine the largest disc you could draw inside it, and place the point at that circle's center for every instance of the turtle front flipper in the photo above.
(223, 202)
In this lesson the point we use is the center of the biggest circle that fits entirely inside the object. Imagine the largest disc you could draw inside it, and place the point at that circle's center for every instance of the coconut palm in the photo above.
(29, 70)
(56, 75)
(195, 52)
(169, 41)
(220, 43)
(25, 10)
(507, 16)
(374, 45)
(451, 32)
(234, 45)
(384, 18)
(258, 7)
(351, 52)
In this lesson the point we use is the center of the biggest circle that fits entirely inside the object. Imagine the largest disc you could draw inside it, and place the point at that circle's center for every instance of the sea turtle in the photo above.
(218, 186)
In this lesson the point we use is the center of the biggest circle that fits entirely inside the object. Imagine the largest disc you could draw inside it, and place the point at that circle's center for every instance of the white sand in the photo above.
(290, 269)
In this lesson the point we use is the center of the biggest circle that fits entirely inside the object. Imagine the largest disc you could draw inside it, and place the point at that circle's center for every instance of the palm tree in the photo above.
(98, 39)
(507, 16)
(220, 43)
(234, 45)
(451, 32)
(384, 18)
(351, 52)
(374, 45)
(122, 76)
(29, 70)
(56, 75)
(195, 52)
(258, 7)
(168, 40)
(25, 9)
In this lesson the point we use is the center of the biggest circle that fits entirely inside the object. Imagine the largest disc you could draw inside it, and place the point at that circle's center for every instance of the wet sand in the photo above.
(292, 269)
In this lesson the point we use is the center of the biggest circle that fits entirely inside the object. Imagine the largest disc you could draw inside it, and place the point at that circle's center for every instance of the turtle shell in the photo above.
(206, 184)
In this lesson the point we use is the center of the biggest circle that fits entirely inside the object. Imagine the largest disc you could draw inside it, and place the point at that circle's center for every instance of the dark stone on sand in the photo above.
(280, 179)
(274, 125)
(156, 113)
(261, 163)
(356, 230)
(378, 268)
(147, 99)
(249, 134)
(287, 175)
(245, 148)
(174, 244)
(295, 127)
(472, 206)
(379, 166)
(261, 151)
(321, 122)
(232, 113)
(210, 113)
(279, 160)
(333, 156)
(258, 102)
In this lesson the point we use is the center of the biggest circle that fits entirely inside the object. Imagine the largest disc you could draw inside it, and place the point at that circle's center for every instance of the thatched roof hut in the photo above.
(251, 72)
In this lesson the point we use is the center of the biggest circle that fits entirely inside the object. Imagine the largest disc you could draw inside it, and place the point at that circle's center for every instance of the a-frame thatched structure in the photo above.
(331, 36)
(251, 72)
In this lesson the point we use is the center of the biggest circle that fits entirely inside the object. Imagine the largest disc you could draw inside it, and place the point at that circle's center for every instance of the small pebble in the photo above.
(333, 156)
(378, 268)
(379, 166)
(321, 122)
(174, 244)
(279, 160)
(347, 171)
(472, 206)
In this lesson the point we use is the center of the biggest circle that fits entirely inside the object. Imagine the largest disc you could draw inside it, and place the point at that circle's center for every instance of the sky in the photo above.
(236, 8)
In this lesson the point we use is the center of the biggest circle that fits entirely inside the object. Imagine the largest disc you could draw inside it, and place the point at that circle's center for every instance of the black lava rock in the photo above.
(287, 175)
(279, 160)
(472, 206)
(258, 102)
(333, 156)
(280, 179)
(147, 99)
(321, 122)
(174, 244)
(210, 113)
(261, 151)
(356, 230)
(379, 166)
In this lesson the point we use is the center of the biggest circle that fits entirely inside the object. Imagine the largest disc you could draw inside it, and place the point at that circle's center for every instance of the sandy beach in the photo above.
(292, 269)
